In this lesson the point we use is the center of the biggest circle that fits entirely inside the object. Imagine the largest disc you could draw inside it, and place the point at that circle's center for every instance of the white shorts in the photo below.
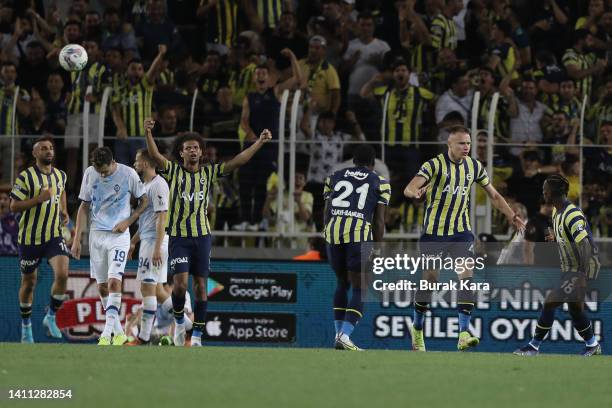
(147, 272)
(74, 129)
(108, 254)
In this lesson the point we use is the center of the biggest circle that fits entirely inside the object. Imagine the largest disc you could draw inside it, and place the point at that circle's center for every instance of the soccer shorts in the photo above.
(147, 272)
(344, 258)
(459, 245)
(571, 288)
(190, 255)
(30, 255)
(108, 254)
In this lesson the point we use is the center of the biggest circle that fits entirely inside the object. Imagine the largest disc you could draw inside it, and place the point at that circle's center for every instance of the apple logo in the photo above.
(213, 327)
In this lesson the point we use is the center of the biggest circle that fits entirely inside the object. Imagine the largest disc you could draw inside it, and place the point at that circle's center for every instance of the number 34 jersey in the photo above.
(352, 196)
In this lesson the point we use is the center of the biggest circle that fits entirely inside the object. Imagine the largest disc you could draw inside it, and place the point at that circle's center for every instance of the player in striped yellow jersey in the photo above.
(188, 226)
(355, 204)
(132, 104)
(443, 28)
(579, 264)
(445, 183)
(39, 195)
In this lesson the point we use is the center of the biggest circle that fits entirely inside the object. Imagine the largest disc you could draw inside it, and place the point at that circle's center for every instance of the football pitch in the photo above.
(284, 377)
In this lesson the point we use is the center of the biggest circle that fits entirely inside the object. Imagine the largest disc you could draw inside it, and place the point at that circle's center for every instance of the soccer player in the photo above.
(579, 264)
(39, 195)
(190, 240)
(106, 190)
(445, 182)
(355, 203)
(153, 253)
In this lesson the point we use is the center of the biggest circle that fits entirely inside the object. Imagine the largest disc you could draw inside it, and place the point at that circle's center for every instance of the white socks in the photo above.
(149, 304)
(113, 324)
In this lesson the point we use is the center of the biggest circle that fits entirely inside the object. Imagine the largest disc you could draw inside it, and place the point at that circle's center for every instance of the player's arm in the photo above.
(64, 209)
(159, 158)
(244, 121)
(244, 156)
(23, 205)
(378, 229)
(81, 221)
(125, 224)
(416, 188)
(156, 65)
(500, 203)
(133, 241)
(296, 71)
(160, 233)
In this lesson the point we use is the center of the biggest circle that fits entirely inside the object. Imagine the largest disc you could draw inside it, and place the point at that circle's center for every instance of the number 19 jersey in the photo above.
(352, 196)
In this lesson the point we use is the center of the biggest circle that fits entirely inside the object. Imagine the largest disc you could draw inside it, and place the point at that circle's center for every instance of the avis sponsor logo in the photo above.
(461, 190)
(359, 175)
(199, 196)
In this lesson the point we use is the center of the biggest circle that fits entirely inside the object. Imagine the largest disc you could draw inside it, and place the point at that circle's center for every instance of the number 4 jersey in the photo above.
(352, 196)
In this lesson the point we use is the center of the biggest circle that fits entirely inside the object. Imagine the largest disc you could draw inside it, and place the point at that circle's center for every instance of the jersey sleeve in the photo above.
(576, 224)
(570, 58)
(427, 170)
(168, 170)
(136, 187)
(384, 191)
(380, 90)
(217, 170)
(21, 188)
(327, 188)
(482, 178)
(333, 81)
(159, 196)
(426, 94)
(437, 33)
(85, 193)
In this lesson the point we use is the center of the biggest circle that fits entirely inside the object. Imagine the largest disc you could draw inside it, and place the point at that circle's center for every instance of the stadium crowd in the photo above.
(413, 64)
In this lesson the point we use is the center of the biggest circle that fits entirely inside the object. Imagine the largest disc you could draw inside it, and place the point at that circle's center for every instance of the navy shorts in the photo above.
(31, 255)
(190, 255)
(344, 258)
(457, 245)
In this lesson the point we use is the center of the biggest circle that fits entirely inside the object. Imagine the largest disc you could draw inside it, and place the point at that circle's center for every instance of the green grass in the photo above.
(219, 377)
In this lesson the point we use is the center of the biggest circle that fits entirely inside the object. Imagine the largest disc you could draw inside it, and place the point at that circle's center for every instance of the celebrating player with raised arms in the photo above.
(579, 264)
(445, 183)
(355, 203)
(39, 195)
(188, 227)
(106, 190)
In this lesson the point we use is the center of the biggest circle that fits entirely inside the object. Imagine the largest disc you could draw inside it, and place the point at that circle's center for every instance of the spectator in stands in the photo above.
(582, 65)
(223, 123)
(212, 77)
(9, 227)
(33, 69)
(443, 28)
(526, 128)
(403, 124)
(119, 35)
(507, 107)
(92, 28)
(503, 58)
(598, 160)
(128, 112)
(243, 68)
(36, 124)
(57, 107)
(326, 152)
(8, 127)
(322, 82)
(303, 201)
(566, 102)
(220, 18)
(156, 29)
(260, 110)
(538, 252)
(526, 184)
(601, 111)
(362, 61)
(519, 36)
(458, 98)
(562, 132)
(285, 35)
(167, 129)
(14, 45)
(570, 169)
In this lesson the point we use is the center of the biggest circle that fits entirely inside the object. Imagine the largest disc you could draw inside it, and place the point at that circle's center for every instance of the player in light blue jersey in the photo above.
(153, 252)
(106, 190)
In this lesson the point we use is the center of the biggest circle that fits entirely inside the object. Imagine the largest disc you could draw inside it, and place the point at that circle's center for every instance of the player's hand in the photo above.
(76, 249)
(64, 217)
(518, 223)
(286, 52)
(549, 237)
(149, 124)
(45, 194)
(121, 227)
(131, 250)
(157, 258)
(420, 194)
(265, 136)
